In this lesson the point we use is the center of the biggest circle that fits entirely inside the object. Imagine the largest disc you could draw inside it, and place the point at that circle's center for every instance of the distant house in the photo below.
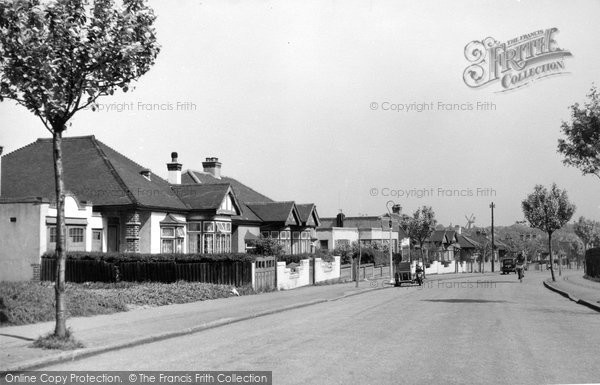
(115, 204)
(482, 237)
(442, 245)
(342, 230)
(469, 248)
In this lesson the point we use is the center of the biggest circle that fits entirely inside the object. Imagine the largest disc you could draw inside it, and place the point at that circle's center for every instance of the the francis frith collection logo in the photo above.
(515, 63)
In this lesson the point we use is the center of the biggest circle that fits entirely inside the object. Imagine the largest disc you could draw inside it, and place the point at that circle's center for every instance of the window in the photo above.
(172, 239)
(209, 227)
(285, 241)
(52, 234)
(76, 235)
(275, 234)
(208, 243)
(194, 237)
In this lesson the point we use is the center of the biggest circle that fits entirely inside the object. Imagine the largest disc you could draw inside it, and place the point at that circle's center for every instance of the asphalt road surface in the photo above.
(474, 330)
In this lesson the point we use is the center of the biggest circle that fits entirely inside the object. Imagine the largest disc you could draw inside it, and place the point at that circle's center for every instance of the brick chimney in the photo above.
(174, 168)
(212, 166)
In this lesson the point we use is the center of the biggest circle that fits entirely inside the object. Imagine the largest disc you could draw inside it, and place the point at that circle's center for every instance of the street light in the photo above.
(492, 205)
(387, 206)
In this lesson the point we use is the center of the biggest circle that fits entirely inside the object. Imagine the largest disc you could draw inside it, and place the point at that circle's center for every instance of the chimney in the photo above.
(174, 170)
(212, 166)
(339, 220)
(458, 229)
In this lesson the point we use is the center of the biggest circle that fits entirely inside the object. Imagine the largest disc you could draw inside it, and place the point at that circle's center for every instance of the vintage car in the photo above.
(405, 275)
(509, 265)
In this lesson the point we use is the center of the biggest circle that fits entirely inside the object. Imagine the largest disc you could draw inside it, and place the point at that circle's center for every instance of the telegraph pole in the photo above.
(492, 205)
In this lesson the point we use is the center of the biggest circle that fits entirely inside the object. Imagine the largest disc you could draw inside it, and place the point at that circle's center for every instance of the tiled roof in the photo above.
(93, 172)
(438, 236)
(307, 210)
(242, 192)
(274, 211)
(201, 196)
(467, 243)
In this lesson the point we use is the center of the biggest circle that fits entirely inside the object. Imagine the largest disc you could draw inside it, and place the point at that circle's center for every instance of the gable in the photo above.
(228, 205)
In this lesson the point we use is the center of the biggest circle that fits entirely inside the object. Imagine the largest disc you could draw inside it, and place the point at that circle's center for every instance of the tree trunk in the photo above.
(551, 258)
(422, 259)
(60, 329)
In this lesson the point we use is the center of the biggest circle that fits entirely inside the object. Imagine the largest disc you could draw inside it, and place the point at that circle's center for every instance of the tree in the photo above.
(420, 226)
(57, 58)
(581, 147)
(587, 230)
(548, 210)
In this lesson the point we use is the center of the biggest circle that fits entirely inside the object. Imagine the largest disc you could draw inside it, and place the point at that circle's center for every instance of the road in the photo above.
(487, 330)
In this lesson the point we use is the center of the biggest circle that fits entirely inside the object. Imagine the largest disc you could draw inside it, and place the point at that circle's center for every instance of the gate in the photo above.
(264, 273)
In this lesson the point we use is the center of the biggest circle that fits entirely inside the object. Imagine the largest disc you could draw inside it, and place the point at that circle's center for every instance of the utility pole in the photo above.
(492, 205)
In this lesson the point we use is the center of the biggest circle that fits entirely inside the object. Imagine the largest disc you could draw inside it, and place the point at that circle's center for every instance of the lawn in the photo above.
(30, 302)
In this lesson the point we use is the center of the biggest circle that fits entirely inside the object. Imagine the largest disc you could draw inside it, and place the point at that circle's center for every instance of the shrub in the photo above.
(266, 246)
(296, 258)
(31, 302)
(592, 262)
(139, 257)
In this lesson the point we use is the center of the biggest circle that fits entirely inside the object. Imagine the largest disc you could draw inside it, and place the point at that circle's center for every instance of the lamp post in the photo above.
(387, 205)
(492, 205)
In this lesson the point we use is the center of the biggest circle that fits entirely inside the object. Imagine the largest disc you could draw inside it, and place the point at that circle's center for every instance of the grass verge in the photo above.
(31, 302)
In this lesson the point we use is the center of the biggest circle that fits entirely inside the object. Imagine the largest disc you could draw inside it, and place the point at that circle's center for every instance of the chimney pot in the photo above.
(174, 168)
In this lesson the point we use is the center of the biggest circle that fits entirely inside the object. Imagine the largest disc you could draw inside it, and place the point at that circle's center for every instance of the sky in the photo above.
(300, 100)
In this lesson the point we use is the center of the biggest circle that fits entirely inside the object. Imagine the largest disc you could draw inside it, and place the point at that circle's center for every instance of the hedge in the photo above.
(137, 257)
(592, 262)
(296, 258)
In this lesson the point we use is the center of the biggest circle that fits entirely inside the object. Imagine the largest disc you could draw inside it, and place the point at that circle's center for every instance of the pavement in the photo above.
(572, 285)
(104, 333)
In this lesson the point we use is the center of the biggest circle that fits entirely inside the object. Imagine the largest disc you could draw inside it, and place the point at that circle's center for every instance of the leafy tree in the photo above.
(56, 58)
(548, 210)
(581, 147)
(420, 226)
(587, 230)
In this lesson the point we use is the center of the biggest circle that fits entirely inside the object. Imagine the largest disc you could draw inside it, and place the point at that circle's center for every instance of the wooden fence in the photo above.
(217, 272)
(368, 270)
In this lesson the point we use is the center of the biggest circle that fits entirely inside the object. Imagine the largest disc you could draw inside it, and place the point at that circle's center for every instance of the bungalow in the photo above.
(341, 230)
(114, 204)
(442, 245)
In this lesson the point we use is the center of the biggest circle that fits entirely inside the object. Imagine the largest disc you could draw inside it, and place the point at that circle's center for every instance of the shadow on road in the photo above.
(462, 300)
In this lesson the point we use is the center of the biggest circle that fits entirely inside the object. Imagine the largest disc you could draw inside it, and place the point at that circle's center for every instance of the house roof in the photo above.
(276, 212)
(466, 243)
(205, 197)
(308, 214)
(242, 192)
(93, 172)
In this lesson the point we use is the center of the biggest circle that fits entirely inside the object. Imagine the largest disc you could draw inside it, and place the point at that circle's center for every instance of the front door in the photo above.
(97, 240)
(112, 239)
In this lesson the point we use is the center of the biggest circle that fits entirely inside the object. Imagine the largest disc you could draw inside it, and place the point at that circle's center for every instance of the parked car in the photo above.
(509, 265)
